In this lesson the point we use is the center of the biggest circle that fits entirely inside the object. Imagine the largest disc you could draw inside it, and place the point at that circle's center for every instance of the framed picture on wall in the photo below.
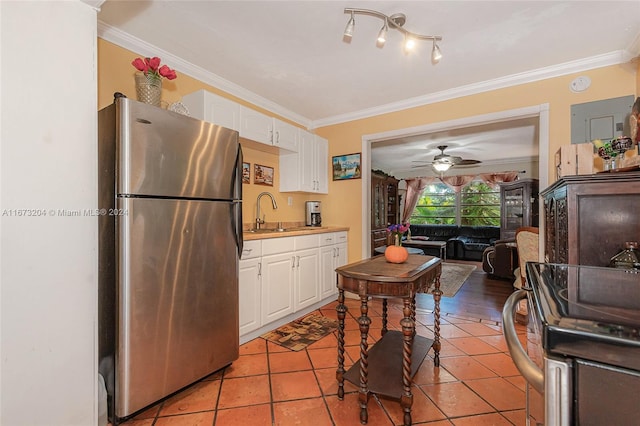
(346, 167)
(263, 175)
(246, 172)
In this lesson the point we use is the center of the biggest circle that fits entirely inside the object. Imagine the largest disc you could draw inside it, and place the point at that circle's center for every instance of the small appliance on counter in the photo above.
(313, 217)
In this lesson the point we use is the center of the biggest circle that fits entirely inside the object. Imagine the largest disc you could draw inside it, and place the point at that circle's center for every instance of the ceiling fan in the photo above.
(443, 162)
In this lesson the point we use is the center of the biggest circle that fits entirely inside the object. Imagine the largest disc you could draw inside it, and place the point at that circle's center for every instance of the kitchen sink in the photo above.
(266, 231)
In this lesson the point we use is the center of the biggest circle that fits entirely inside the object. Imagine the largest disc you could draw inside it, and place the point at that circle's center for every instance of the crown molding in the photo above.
(95, 4)
(127, 41)
(612, 58)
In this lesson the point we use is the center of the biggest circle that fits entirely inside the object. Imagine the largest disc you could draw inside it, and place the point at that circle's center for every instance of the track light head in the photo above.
(382, 35)
(348, 31)
(436, 54)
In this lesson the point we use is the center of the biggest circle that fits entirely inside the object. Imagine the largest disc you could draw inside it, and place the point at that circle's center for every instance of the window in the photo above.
(478, 204)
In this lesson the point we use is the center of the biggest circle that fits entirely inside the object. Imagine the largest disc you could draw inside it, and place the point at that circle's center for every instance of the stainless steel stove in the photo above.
(582, 361)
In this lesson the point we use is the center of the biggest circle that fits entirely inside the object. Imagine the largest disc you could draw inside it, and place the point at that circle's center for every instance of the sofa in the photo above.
(463, 242)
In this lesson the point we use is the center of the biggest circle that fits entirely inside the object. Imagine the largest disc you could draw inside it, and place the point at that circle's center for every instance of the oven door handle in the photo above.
(529, 370)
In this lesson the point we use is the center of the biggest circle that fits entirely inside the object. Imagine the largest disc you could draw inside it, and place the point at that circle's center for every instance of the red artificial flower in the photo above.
(151, 67)
(140, 65)
(153, 63)
(167, 72)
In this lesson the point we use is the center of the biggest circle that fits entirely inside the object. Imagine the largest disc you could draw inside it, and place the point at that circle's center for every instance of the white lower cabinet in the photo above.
(281, 276)
(307, 271)
(333, 254)
(278, 262)
(249, 282)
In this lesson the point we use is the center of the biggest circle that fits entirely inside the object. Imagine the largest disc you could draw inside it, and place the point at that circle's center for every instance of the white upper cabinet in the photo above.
(213, 108)
(306, 170)
(285, 135)
(255, 125)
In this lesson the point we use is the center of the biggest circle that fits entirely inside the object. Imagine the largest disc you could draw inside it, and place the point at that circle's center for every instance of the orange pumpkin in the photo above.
(396, 254)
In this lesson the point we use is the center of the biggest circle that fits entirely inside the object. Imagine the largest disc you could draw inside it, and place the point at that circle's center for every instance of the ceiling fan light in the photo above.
(348, 31)
(442, 167)
(436, 54)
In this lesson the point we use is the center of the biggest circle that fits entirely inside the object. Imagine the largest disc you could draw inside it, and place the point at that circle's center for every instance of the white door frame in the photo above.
(541, 111)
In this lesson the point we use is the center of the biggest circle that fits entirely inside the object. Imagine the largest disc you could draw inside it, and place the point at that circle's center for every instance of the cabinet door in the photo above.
(249, 286)
(307, 278)
(306, 163)
(277, 286)
(213, 108)
(321, 163)
(285, 136)
(327, 271)
(255, 126)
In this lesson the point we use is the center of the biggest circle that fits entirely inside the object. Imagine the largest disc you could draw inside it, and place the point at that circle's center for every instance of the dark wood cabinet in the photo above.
(588, 218)
(519, 206)
(385, 206)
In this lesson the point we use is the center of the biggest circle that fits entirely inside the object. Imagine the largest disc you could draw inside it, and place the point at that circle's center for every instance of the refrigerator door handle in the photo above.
(237, 204)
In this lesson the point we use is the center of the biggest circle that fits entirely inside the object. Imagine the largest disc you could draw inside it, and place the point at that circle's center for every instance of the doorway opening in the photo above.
(540, 111)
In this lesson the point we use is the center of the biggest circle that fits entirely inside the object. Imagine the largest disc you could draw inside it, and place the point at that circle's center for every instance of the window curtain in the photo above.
(495, 178)
(415, 187)
(457, 182)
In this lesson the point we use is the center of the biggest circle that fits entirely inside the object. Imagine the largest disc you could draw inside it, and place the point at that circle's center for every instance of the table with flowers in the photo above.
(389, 366)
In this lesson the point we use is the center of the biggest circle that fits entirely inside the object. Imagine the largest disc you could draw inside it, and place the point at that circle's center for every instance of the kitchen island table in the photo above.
(388, 368)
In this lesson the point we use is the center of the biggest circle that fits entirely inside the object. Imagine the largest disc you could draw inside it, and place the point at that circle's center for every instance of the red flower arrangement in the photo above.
(151, 68)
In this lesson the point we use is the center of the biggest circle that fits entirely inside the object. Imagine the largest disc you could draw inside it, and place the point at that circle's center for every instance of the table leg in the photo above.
(443, 251)
(408, 331)
(384, 316)
(364, 322)
(342, 310)
(437, 294)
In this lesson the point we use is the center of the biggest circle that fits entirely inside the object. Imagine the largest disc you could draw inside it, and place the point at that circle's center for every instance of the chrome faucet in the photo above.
(273, 203)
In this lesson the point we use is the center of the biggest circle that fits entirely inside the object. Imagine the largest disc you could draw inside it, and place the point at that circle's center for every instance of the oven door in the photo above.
(548, 378)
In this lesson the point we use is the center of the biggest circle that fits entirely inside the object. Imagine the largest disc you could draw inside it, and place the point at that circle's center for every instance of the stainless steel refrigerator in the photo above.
(170, 191)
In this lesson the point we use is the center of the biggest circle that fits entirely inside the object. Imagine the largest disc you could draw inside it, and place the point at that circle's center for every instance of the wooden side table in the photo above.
(388, 368)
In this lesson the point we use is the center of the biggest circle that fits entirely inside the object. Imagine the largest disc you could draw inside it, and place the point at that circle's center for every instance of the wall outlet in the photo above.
(290, 201)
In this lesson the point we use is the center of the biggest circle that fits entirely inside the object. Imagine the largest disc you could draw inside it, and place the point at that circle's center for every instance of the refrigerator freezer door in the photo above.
(161, 153)
(178, 297)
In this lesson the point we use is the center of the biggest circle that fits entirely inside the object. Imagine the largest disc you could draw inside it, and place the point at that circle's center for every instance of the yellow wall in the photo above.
(115, 74)
(343, 205)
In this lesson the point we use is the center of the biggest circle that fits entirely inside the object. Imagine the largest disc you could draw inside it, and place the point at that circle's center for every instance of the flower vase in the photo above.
(148, 88)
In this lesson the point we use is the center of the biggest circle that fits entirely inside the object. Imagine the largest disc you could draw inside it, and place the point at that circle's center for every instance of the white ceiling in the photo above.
(290, 56)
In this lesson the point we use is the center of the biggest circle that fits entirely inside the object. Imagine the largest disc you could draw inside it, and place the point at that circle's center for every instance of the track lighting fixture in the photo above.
(395, 21)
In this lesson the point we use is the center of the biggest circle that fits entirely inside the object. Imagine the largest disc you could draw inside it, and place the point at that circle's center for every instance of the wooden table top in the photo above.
(379, 270)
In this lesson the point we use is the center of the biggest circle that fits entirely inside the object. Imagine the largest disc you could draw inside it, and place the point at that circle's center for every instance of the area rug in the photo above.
(302, 332)
(453, 277)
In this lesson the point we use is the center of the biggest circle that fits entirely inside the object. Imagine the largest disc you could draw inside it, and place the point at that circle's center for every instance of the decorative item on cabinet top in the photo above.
(149, 79)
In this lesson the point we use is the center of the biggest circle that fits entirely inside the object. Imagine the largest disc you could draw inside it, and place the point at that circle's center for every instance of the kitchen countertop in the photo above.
(292, 232)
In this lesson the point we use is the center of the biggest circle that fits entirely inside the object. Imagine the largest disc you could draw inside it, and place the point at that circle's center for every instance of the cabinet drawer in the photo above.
(327, 239)
(251, 249)
(306, 242)
(277, 245)
(340, 237)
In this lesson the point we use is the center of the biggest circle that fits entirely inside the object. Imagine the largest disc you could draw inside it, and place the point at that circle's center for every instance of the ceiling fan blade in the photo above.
(467, 162)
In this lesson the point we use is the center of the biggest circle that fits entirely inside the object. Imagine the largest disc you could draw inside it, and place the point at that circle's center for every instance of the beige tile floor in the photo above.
(476, 384)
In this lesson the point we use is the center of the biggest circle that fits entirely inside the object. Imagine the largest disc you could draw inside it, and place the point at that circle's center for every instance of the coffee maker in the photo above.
(313, 217)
